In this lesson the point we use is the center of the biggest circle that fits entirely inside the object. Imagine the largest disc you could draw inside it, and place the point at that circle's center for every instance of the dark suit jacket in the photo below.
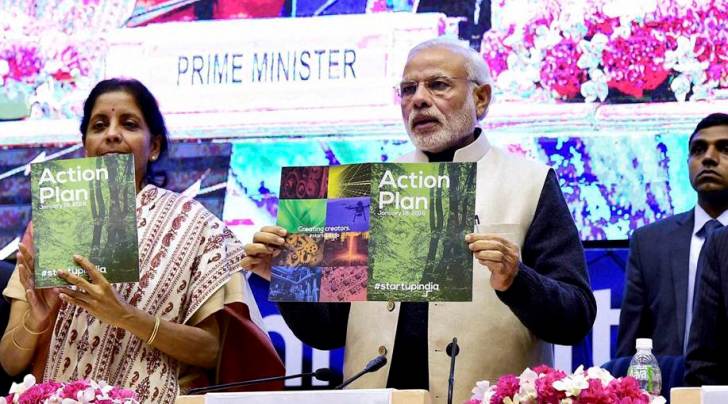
(656, 286)
(706, 361)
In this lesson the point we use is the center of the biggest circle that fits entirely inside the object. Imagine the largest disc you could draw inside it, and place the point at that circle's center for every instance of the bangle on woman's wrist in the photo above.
(12, 338)
(28, 330)
(157, 320)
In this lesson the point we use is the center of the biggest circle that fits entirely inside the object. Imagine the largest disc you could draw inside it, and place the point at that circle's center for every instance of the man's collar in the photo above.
(472, 152)
(702, 217)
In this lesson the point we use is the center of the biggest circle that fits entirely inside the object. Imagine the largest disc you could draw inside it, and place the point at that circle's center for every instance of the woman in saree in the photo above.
(156, 335)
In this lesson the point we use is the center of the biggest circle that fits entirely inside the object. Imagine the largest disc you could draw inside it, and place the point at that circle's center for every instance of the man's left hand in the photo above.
(95, 295)
(499, 255)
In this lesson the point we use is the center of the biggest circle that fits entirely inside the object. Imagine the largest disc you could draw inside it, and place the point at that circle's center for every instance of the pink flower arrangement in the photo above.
(544, 385)
(23, 62)
(80, 391)
(636, 63)
(609, 50)
(559, 70)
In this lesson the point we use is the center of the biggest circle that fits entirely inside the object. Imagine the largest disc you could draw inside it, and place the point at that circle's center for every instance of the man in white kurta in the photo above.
(530, 284)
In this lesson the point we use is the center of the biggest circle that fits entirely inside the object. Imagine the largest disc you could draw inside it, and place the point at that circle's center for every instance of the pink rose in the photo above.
(507, 386)
(627, 390)
(559, 71)
(70, 390)
(122, 394)
(600, 23)
(596, 394)
(495, 52)
(24, 63)
(545, 390)
(39, 392)
(636, 64)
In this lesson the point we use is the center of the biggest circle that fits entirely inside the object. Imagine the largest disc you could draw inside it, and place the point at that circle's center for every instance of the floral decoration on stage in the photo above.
(544, 385)
(77, 392)
(51, 54)
(609, 50)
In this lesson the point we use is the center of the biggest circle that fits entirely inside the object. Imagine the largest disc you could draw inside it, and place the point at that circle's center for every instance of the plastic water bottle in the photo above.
(644, 368)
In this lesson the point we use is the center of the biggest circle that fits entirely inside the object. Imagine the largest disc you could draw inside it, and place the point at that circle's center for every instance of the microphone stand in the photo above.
(207, 389)
(351, 379)
(452, 351)
(373, 365)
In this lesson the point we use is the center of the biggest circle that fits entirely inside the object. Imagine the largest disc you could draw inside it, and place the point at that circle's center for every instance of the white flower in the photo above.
(4, 67)
(598, 373)
(19, 388)
(630, 9)
(684, 50)
(527, 381)
(546, 37)
(480, 389)
(703, 91)
(680, 86)
(573, 384)
(624, 29)
(596, 87)
(591, 51)
(658, 400)
(86, 396)
(488, 395)
(572, 13)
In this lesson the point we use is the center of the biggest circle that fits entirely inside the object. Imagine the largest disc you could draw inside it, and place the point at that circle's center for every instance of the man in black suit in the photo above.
(706, 361)
(663, 257)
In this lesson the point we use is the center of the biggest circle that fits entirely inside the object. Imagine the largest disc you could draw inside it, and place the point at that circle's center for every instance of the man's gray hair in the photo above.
(474, 63)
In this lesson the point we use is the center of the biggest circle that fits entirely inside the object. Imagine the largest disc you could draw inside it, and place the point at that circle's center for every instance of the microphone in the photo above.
(323, 374)
(373, 365)
(452, 351)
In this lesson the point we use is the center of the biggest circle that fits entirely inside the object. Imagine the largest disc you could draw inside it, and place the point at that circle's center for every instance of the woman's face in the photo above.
(117, 126)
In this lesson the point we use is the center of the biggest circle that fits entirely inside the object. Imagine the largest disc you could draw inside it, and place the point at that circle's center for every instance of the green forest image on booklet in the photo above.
(420, 214)
(85, 206)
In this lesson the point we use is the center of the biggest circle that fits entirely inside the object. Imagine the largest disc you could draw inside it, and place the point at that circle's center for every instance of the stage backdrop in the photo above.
(606, 92)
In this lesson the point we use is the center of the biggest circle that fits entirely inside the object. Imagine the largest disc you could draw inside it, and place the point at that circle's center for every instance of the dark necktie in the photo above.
(708, 228)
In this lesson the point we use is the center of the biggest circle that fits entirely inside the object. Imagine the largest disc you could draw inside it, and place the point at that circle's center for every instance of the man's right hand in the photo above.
(44, 303)
(266, 244)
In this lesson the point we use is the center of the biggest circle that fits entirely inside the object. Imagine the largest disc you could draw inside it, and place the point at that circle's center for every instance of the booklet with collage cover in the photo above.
(378, 231)
(85, 206)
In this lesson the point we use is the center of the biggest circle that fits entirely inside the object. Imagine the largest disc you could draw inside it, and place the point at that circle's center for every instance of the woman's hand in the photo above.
(266, 244)
(194, 345)
(96, 295)
(44, 303)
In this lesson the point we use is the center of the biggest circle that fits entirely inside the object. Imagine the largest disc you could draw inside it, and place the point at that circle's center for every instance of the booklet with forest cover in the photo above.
(85, 206)
(377, 231)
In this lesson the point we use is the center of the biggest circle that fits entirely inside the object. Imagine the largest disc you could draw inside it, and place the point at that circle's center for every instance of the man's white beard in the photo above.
(452, 130)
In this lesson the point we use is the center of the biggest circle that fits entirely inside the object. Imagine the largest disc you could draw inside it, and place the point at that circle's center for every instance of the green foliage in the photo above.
(423, 246)
(66, 226)
(296, 213)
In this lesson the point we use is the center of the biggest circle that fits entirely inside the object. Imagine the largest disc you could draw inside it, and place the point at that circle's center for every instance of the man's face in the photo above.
(438, 108)
(708, 160)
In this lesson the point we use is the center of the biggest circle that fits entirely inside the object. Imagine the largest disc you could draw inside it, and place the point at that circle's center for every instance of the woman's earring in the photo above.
(153, 158)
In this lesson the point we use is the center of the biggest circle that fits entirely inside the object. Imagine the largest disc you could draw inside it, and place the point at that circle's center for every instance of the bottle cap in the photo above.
(644, 343)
